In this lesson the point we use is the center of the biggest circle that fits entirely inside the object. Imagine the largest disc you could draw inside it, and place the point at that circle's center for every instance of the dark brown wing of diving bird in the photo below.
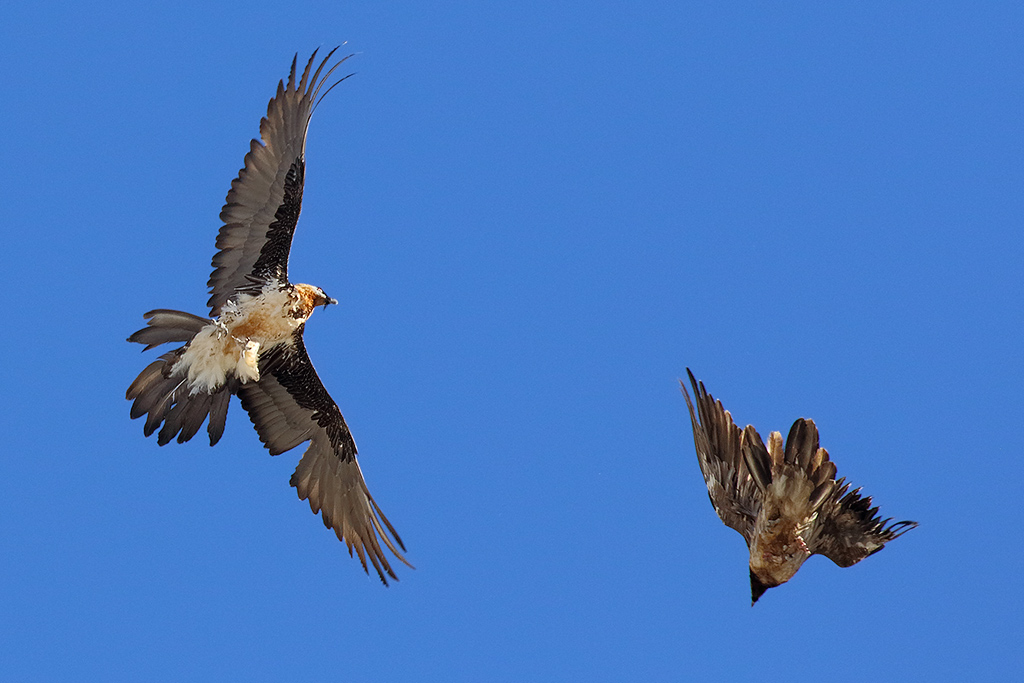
(846, 528)
(263, 205)
(731, 488)
(849, 529)
(290, 405)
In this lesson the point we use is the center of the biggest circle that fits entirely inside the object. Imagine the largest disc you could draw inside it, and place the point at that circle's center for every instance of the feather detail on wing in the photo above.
(805, 454)
(756, 458)
(849, 529)
(731, 488)
(846, 529)
(289, 405)
(262, 207)
(336, 489)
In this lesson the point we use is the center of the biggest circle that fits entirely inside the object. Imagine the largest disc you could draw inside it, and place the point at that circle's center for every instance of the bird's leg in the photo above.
(251, 357)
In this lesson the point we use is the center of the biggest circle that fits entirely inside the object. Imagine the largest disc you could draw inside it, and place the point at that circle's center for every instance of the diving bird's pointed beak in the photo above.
(330, 301)
(757, 588)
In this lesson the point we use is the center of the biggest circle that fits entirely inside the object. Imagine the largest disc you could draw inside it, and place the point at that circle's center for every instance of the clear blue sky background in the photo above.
(535, 216)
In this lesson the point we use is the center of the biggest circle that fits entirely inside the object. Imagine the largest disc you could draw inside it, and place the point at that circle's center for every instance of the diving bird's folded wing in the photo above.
(731, 488)
(263, 205)
(289, 405)
(848, 529)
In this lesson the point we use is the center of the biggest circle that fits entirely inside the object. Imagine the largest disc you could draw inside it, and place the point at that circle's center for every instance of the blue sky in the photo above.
(535, 216)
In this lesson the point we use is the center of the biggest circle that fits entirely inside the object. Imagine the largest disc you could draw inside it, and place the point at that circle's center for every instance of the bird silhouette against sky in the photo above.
(784, 500)
(251, 346)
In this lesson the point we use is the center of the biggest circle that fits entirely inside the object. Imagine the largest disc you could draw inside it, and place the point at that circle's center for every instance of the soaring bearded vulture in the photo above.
(785, 502)
(251, 346)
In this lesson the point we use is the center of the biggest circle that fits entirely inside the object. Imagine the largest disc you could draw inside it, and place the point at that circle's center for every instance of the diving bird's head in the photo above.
(774, 560)
(758, 587)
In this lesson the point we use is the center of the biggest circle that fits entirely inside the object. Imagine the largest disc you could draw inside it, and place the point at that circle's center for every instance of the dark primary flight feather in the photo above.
(785, 502)
(288, 404)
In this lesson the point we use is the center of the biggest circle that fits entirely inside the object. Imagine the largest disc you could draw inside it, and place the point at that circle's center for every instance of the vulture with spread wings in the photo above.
(251, 346)
(784, 500)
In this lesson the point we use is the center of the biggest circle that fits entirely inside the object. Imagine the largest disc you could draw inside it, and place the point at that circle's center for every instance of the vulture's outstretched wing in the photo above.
(289, 405)
(263, 205)
(849, 529)
(732, 490)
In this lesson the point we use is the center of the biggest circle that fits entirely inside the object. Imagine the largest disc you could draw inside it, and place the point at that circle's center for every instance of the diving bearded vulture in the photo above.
(785, 501)
(251, 346)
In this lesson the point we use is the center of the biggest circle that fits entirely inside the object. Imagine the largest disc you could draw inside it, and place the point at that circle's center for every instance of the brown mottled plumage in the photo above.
(784, 500)
(252, 345)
